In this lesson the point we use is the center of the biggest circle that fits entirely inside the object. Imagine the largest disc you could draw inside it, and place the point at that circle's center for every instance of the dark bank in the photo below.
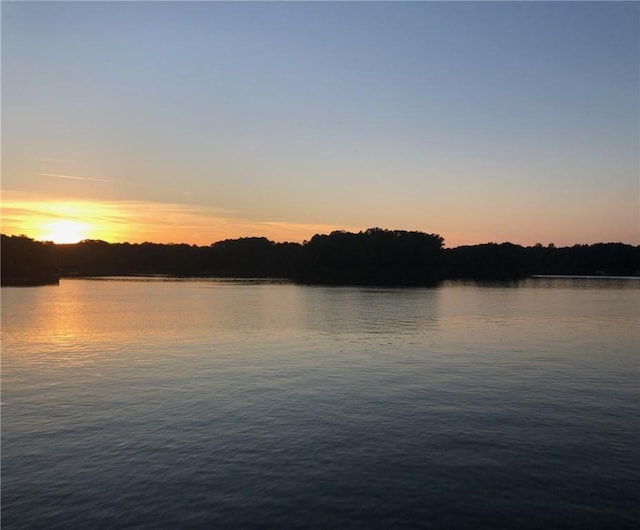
(372, 257)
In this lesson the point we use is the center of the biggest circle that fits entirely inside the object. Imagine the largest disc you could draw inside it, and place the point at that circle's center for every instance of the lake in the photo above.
(156, 403)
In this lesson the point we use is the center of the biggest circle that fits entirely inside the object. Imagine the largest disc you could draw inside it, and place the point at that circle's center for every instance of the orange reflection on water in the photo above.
(56, 323)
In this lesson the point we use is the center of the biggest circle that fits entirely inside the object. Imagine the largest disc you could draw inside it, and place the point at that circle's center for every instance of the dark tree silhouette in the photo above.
(27, 262)
(253, 256)
(372, 257)
(490, 261)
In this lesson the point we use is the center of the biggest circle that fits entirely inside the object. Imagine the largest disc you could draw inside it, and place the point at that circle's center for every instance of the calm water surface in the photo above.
(207, 404)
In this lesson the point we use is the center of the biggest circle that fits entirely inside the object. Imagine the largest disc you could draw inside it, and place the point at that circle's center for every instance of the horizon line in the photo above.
(444, 246)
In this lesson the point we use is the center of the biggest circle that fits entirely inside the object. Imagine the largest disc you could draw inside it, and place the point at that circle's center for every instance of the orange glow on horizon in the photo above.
(56, 220)
(60, 220)
(68, 221)
(65, 231)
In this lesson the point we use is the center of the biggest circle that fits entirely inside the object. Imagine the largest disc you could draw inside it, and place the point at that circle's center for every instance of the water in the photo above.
(208, 404)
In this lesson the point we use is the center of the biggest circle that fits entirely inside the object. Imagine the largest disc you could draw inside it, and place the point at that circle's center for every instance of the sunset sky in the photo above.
(200, 121)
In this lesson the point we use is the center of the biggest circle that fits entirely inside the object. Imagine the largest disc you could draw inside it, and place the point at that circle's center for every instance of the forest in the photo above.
(372, 257)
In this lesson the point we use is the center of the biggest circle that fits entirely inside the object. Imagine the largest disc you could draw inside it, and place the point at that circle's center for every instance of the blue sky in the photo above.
(479, 121)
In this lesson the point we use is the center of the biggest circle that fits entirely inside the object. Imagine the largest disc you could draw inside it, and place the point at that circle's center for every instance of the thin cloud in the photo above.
(72, 177)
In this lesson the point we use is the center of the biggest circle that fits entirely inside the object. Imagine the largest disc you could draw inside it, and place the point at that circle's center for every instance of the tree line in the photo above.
(372, 257)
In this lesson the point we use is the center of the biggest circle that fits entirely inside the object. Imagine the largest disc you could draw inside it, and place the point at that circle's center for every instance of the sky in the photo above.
(193, 122)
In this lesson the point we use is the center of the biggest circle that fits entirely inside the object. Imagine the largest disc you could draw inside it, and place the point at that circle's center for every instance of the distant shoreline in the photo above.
(587, 276)
(375, 257)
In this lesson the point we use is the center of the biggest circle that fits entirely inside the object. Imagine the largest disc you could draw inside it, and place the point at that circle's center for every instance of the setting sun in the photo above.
(65, 232)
